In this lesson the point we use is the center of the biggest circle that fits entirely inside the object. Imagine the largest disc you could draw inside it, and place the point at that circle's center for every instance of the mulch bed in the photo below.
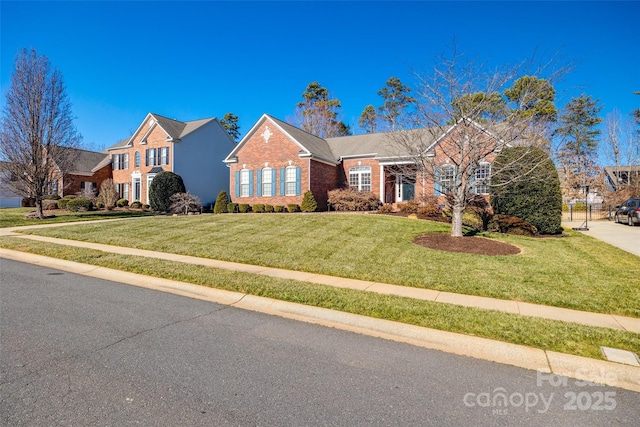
(466, 244)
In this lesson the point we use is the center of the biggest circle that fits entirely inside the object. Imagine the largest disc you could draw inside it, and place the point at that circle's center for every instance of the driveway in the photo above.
(619, 235)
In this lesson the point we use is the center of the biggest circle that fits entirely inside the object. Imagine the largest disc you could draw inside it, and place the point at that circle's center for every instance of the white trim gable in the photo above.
(151, 127)
(252, 131)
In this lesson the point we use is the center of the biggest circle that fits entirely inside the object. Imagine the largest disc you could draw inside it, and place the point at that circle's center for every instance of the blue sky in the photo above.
(189, 60)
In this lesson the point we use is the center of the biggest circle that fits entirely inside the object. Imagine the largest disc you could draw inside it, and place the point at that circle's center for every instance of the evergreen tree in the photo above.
(396, 99)
(579, 134)
(309, 203)
(480, 106)
(533, 97)
(163, 186)
(368, 119)
(536, 199)
(318, 113)
(230, 123)
(221, 203)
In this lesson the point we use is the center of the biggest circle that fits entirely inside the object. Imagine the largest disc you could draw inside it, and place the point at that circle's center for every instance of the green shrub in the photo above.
(52, 197)
(351, 200)
(511, 225)
(268, 208)
(386, 209)
(122, 203)
(579, 207)
(409, 207)
(146, 207)
(136, 205)
(309, 203)
(62, 203)
(49, 204)
(258, 207)
(278, 208)
(79, 204)
(221, 203)
(232, 207)
(535, 197)
(292, 207)
(163, 186)
(243, 208)
(565, 207)
(99, 205)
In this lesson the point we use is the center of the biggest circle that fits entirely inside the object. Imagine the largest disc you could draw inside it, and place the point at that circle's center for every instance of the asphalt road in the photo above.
(80, 351)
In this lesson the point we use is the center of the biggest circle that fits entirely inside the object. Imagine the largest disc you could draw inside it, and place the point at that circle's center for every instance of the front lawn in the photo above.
(576, 271)
(12, 217)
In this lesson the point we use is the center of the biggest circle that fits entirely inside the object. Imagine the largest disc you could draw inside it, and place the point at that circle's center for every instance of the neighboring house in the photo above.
(86, 171)
(276, 163)
(9, 197)
(617, 176)
(189, 149)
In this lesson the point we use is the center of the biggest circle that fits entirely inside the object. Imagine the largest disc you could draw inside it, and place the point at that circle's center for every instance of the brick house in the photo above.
(276, 163)
(162, 144)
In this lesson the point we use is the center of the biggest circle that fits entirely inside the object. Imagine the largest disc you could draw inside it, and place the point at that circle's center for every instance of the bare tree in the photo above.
(37, 127)
(622, 148)
(462, 121)
(108, 194)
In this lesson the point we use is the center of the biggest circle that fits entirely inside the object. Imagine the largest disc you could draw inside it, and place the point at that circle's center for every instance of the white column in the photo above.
(382, 179)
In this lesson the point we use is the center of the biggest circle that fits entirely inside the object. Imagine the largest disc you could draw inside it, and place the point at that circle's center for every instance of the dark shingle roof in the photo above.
(313, 144)
(85, 161)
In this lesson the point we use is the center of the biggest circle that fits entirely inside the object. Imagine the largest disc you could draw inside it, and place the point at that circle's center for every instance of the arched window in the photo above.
(360, 178)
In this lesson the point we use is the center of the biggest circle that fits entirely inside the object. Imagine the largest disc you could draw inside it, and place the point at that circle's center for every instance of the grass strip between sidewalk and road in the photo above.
(13, 217)
(538, 333)
(576, 271)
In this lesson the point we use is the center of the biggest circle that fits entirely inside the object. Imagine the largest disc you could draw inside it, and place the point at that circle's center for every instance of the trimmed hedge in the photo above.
(258, 207)
(351, 200)
(309, 203)
(292, 207)
(62, 203)
(511, 225)
(525, 184)
(221, 203)
(163, 186)
(79, 204)
(122, 203)
(232, 207)
(243, 207)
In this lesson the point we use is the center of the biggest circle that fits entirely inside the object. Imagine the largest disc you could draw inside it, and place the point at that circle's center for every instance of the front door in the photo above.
(405, 188)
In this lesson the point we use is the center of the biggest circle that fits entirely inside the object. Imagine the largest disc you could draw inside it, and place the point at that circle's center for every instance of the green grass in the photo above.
(12, 217)
(576, 271)
(539, 333)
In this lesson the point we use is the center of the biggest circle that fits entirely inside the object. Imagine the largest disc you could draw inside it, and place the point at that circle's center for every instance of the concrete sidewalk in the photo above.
(522, 308)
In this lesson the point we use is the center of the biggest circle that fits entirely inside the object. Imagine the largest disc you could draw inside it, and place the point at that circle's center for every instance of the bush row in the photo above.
(261, 208)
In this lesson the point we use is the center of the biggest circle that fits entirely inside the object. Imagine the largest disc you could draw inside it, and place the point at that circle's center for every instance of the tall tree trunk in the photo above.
(456, 221)
(39, 211)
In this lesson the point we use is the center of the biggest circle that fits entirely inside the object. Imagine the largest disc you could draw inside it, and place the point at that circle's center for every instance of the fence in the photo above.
(596, 212)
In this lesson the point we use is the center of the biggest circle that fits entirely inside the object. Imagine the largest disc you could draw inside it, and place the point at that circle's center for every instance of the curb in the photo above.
(582, 368)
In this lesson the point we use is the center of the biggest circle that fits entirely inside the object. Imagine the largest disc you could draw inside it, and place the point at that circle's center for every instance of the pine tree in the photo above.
(368, 119)
(579, 143)
(396, 99)
(318, 113)
(230, 123)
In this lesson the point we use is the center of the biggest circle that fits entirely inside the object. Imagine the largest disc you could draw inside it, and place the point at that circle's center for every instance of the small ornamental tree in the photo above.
(221, 203)
(309, 203)
(108, 194)
(537, 199)
(163, 186)
(183, 203)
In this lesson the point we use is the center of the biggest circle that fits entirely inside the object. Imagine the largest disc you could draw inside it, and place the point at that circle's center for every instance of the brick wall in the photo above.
(278, 152)
(156, 139)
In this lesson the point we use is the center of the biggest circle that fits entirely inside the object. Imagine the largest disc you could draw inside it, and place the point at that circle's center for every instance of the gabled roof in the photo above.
(86, 162)
(174, 129)
(377, 145)
(310, 145)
